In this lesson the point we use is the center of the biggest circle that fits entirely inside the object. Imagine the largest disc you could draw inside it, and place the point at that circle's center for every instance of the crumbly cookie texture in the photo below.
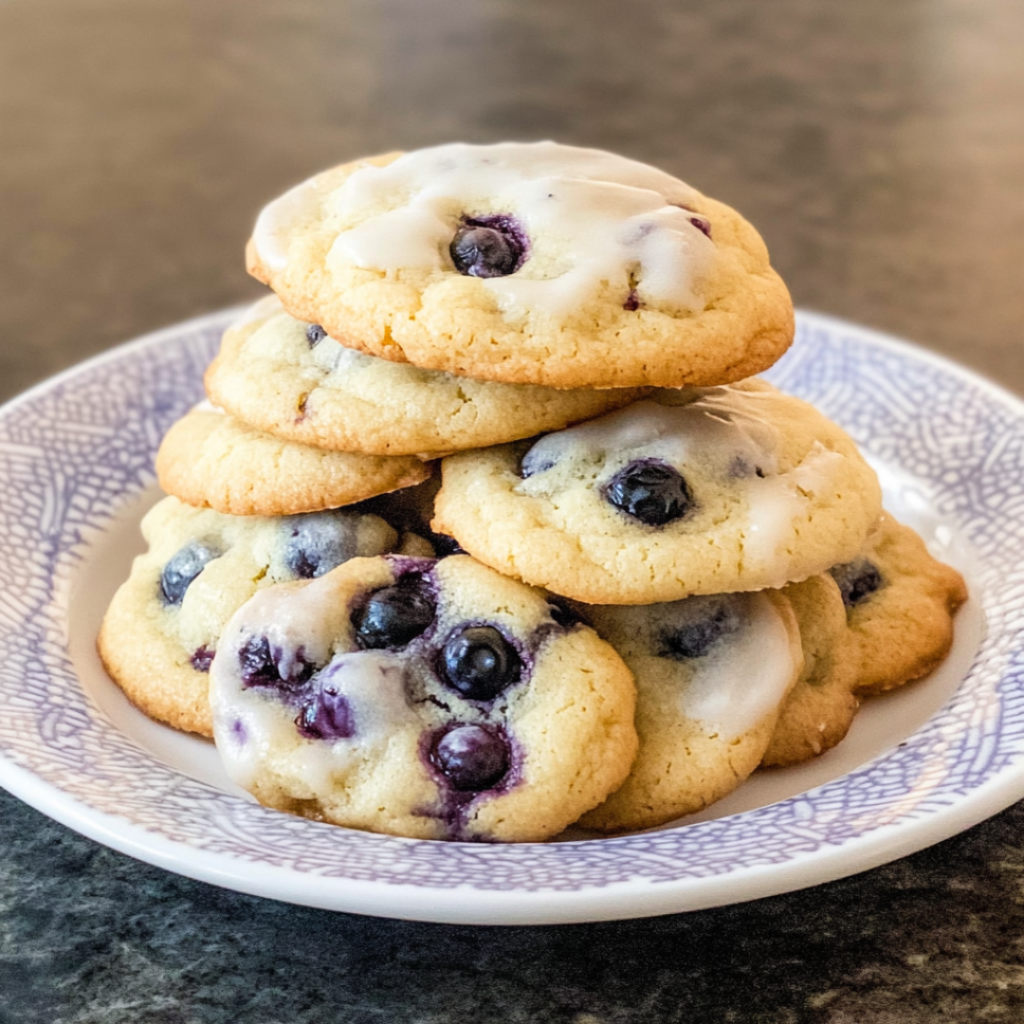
(528, 264)
(900, 605)
(161, 630)
(711, 674)
(869, 625)
(691, 492)
(292, 380)
(429, 699)
(819, 711)
(212, 460)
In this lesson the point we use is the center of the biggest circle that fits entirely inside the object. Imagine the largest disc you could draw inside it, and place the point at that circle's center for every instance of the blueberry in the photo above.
(695, 639)
(327, 715)
(652, 492)
(317, 543)
(479, 662)
(857, 580)
(632, 303)
(488, 246)
(393, 616)
(202, 659)
(261, 664)
(183, 568)
(702, 224)
(256, 663)
(471, 757)
(315, 334)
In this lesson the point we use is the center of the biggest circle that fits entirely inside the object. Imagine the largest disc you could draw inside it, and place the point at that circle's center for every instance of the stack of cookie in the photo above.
(659, 574)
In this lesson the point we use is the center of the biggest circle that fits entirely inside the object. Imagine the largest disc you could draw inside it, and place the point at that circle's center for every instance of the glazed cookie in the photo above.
(161, 629)
(900, 604)
(422, 698)
(818, 712)
(711, 673)
(211, 460)
(527, 264)
(290, 379)
(690, 492)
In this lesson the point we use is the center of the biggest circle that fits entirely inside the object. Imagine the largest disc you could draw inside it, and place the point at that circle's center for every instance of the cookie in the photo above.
(868, 626)
(900, 604)
(821, 707)
(689, 492)
(711, 673)
(290, 379)
(211, 460)
(527, 264)
(161, 630)
(422, 698)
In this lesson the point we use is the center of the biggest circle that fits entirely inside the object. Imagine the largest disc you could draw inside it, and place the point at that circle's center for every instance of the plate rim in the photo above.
(635, 897)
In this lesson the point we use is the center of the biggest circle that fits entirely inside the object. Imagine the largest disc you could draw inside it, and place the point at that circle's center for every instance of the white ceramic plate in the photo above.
(920, 765)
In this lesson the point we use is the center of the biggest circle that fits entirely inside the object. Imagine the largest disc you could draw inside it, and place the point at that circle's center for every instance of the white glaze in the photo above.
(715, 436)
(720, 423)
(277, 221)
(734, 688)
(729, 690)
(305, 617)
(591, 217)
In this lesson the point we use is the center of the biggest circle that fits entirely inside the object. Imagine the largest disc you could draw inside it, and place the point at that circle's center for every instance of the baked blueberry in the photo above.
(202, 659)
(472, 758)
(327, 715)
(488, 246)
(650, 491)
(695, 639)
(315, 334)
(393, 616)
(261, 664)
(478, 662)
(857, 581)
(317, 543)
(380, 739)
(183, 568)
(702, 224)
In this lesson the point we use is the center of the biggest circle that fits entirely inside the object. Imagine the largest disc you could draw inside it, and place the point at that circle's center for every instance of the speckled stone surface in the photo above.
(89, 936)
(878, 147)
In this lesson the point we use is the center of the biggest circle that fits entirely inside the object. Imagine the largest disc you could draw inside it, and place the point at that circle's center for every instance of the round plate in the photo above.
(76, 458)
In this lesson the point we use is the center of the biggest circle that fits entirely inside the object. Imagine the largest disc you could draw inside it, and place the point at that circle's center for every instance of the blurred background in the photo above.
(879, 148)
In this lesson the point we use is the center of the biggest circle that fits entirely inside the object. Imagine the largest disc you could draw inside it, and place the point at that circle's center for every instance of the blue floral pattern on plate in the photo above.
(72, 452)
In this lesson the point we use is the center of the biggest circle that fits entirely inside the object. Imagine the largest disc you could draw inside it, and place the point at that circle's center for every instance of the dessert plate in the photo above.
(922, 764)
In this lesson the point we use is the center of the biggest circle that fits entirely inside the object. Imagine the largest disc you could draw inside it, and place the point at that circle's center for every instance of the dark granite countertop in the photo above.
(878, 146)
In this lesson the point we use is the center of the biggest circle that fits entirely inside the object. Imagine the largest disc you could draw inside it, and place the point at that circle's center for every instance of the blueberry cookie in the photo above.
(900, 604)
(161, 630)
(821, 707)
(688, 492)
(430, 699)
(527, 264)
(289, 378)
(211, 460)
(711, 673)
(867, 626)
